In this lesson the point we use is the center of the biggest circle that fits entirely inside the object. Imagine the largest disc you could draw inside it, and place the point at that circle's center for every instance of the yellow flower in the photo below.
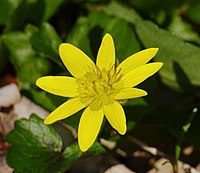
(98, 88)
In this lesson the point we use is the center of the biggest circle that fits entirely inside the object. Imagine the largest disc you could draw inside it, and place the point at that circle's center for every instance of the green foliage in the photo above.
(183, 29)
(7, 8)
(123, 12)
(31, 32)
(40, 147)
(33, 142)
(180, 70)
(72, 153)
(44, 40)
(184, 130)
(88, 32)
(35, 11)
(22, 55)
(32, 52)
(193, 11)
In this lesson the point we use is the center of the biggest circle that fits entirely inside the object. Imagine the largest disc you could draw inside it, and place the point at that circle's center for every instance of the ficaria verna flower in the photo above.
(98, 88)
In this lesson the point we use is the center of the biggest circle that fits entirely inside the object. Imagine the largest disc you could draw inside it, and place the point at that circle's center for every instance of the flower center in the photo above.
(98, 82)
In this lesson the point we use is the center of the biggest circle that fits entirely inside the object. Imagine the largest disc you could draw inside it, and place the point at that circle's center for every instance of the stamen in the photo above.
(98, 83)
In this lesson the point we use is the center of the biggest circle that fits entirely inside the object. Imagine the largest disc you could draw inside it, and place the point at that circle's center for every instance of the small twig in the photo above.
(152, 150)
(70, 128)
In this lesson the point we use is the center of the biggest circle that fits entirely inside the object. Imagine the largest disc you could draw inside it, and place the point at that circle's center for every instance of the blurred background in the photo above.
(163, 127)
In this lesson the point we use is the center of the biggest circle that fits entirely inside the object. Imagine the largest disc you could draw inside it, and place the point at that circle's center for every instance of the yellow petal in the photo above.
(89, 126)
(138, 75)
(76, 61)
(127, 93)
(116, 117)
(67, 109)
(106, 53)
(137, 59)
(59, 85)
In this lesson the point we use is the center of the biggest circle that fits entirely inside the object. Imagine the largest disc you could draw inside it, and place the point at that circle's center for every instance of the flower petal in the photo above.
(116, 117)
(59, 85)
(138, 75)
(106, 53)
(67, 109)
(137, 59)
(127, 93)
(76, 61)
(89, 126)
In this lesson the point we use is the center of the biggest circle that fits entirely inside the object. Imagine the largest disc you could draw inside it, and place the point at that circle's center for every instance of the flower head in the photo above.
(98, 88)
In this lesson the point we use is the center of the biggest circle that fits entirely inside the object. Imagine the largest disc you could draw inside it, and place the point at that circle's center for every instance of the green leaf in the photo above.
(193, 11)
(182, 29)
(123, 12)
(180, 59)
(19, 47)
(7, 8)
(88, 32)
(146, 6)
(34, 11)
(33, 52)
(45, 41)
(177, 152)
(72, 153)
(28, 64)
(34, 146)
(70, 156)
(51, 6)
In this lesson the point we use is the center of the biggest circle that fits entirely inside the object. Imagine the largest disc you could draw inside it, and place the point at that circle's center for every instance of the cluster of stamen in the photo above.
(98, 82)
